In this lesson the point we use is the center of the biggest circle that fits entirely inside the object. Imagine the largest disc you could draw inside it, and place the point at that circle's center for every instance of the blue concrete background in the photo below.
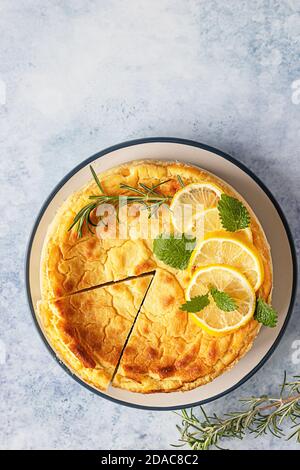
(76, 77)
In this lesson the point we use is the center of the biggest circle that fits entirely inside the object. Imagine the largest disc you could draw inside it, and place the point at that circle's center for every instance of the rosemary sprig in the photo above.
(259, 416)
(149, 197)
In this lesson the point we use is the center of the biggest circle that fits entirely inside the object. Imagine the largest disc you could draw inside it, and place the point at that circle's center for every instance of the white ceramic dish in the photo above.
(266, 209)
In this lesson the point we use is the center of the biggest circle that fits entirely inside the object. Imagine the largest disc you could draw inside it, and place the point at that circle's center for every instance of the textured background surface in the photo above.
(82, 77)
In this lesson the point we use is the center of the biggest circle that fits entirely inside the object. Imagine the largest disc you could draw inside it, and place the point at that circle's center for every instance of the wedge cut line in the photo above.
(104, 284)
(131, 329)
(88, 329)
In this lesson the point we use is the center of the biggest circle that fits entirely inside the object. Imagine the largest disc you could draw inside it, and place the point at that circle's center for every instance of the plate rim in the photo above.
(180, 141)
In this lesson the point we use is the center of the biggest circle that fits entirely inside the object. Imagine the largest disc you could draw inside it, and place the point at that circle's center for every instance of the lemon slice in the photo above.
(191, 200)
(212, 223)
(226, 279)
(231, 249)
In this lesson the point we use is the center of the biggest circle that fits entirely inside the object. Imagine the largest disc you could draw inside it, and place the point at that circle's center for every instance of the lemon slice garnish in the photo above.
(230, 249)
(226, 279)
(212, 223)
(190, 201)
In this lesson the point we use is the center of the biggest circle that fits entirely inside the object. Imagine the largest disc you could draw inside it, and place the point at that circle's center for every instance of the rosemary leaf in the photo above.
(96, 179)
(130, 188)
(180, 181)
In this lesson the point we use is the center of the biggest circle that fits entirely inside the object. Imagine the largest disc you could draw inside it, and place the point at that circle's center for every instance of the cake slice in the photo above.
(88, 330)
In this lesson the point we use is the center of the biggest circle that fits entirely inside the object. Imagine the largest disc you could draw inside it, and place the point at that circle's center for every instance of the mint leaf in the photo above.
(223, 300)
(233, 214)
(265, 314)
(196, 304)
(174, 252)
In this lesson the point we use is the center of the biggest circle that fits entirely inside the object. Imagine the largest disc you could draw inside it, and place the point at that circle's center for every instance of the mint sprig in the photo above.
(223, 300)
(173, 251)
(196, 304)
(265, 314)
(233, 214)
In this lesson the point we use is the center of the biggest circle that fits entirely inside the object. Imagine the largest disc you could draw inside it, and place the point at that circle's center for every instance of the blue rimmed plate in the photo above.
(266, 209)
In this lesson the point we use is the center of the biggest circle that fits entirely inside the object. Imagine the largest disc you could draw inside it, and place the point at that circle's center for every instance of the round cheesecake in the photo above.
(111, 309)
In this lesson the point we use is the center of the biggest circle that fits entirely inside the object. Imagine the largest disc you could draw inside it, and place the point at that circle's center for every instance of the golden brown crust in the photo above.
(166, 351)
(89, 329)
